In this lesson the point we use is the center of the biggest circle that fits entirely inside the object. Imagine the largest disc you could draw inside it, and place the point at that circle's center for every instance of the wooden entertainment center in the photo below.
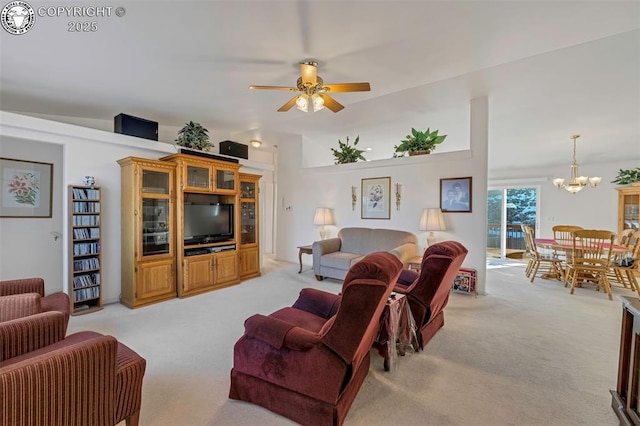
(167, 250)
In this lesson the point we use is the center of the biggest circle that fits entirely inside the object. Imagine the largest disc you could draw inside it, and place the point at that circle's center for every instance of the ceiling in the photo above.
(549, 69)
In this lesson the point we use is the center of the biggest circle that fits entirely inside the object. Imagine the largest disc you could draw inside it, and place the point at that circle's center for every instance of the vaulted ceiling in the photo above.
(549, 69)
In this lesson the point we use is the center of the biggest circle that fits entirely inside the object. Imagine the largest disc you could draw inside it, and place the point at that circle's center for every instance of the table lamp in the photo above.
(432, 220)
(324, 216)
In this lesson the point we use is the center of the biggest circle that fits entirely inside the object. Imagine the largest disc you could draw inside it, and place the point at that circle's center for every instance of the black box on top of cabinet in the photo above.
(234, 149)
(135, 126)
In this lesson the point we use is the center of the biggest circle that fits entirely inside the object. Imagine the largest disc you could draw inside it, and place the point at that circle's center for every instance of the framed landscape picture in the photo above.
(455, 195)
(376, 198)
(25, 188)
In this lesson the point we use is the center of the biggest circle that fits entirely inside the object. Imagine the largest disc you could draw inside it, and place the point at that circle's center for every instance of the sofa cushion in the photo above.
(339, 260)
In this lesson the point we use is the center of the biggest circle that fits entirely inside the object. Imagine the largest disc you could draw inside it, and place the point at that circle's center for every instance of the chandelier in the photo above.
(577, 182)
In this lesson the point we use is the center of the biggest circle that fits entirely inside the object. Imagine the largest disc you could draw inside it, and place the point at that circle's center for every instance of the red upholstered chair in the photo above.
(24, 306)
(83, 379)
(428, 291)
(307, 362)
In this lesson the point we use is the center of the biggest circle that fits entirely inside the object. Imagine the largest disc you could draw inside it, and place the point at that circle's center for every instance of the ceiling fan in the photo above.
(314, 91)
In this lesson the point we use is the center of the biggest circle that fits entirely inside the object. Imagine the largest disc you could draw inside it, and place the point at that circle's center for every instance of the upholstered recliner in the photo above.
(428, 291)
(83, 379)
(29, 303)
(307, 362)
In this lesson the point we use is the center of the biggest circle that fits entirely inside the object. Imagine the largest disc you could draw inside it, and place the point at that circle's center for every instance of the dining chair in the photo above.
(536, 258)
(591, 259)
(563, 232)
(625, 265)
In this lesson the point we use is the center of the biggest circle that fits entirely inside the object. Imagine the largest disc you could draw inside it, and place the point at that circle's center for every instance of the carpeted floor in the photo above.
(525, 354)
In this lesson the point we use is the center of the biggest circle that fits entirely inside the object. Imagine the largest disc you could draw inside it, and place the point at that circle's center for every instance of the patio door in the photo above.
(508, 208)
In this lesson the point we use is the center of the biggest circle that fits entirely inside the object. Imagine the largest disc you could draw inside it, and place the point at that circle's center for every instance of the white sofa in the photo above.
(333, 257)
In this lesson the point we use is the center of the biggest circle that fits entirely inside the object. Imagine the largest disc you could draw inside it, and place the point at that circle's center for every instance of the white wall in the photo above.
(28, 249)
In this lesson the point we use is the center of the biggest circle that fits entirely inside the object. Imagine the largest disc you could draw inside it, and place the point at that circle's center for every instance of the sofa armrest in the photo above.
(322, 247)
(19, 305)
(318, 302)
(70, 385)
(27, 334)
(404, 252)
(279, 334)
(23, 285)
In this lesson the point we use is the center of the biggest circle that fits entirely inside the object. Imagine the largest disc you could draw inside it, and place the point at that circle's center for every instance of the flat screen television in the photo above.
(207, 223)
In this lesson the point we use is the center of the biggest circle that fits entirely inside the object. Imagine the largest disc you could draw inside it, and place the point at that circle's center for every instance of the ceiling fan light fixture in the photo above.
(303, 102)
(317, 102)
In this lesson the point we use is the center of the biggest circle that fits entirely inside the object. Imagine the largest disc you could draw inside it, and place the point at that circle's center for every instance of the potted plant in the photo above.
(348, 153)
(419, 142)
(628, 177)
(194, 136)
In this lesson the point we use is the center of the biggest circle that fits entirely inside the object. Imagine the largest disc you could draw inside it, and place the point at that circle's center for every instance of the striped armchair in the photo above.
(84, 379)
(17, 306)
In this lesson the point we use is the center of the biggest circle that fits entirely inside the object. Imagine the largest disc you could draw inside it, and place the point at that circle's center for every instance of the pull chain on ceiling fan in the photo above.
(314, 91)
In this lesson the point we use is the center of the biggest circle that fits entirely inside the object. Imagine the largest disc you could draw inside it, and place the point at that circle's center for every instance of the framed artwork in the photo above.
(26, 188)
(455, 195)
(376, 198)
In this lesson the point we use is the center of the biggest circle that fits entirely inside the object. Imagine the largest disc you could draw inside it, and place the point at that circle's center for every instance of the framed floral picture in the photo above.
(26, 188)
(376, 198)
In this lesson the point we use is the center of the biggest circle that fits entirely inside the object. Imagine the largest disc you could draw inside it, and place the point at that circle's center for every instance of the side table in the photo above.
(414, 263)
(303, 250)
(397, 332)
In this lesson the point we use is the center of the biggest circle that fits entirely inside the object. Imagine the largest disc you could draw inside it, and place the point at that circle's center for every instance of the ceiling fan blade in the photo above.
(348, 87)
(331, 103)
(273, 88)
(286, 107)
(309, 72)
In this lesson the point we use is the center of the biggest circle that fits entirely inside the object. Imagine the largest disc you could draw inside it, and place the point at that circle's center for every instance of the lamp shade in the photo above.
(432, 220)
(324, 216)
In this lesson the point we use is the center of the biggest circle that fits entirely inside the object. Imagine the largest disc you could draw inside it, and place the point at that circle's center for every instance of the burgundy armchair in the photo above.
(32, 299)
(83, 379)
(428, 291)
(307, 362)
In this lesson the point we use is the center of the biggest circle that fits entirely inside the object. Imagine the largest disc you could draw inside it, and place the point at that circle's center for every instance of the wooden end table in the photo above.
(303, 250)
(414, 263)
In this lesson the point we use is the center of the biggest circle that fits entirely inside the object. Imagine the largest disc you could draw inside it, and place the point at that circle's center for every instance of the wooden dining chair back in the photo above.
(563, 232)
(591, 259)
(536, 258)
(627, 237)
(626, 265)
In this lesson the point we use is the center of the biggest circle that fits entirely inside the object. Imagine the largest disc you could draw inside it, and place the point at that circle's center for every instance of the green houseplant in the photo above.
(628, 177)
(347, 153)
(194, 136)
(418, 142)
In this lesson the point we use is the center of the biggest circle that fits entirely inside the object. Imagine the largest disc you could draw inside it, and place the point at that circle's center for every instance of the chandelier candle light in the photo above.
(432, 220)
(577, 182)
(324, 216)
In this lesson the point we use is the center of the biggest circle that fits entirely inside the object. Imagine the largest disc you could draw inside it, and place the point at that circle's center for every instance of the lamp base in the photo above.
(431, 239)
(323, 233)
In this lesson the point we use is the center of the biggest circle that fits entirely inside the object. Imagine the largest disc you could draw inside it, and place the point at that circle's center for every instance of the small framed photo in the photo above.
(26, 188)
(455, 195)
(376, 198)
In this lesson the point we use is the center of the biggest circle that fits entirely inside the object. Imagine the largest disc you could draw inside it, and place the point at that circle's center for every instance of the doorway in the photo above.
(507, 209)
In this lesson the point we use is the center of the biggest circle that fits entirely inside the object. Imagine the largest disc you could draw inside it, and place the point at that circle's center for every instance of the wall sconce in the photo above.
(432, 220)
(323, 216)
(354, 197)
(398, 195)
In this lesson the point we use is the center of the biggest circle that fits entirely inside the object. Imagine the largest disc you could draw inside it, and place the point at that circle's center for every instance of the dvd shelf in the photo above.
(85, 284)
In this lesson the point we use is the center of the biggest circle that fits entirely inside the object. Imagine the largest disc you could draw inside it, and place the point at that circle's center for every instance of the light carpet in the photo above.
(525, 354)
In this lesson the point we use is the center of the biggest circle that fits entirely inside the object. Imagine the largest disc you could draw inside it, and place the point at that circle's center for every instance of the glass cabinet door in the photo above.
(248, 190)
(155, 226)
(155, 182)
(631, 212)
(248, 223)
(225, 179)
(198, 177)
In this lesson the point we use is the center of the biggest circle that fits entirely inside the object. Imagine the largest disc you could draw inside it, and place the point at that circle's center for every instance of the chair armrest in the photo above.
(318, 302)
(279, 334)
(27, 334)
(19, 305)
(23, 285)
(404, 252)
(70, 385)
(322, 247)
(405, 280)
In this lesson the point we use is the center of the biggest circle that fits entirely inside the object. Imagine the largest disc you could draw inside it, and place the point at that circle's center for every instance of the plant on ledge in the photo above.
(194, 136)
(418, 142)
(347, 153)
(626, 177)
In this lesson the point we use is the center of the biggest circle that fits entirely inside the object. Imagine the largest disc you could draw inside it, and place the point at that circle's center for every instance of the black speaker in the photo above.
(234, 149)
(134, 126)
